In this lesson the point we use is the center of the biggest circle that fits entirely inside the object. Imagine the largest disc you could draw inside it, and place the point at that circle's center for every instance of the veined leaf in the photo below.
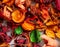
(35, 36)
(18, 30)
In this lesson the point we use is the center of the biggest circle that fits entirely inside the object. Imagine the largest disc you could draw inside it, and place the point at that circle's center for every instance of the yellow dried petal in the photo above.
(58, 35)
(50, 33)
(55, 29)
(50, 23)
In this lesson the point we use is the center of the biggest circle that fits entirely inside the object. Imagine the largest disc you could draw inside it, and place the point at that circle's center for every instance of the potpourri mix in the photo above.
(29, 23)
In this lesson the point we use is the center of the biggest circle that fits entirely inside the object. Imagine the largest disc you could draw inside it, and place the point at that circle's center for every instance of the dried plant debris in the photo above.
(29, 23)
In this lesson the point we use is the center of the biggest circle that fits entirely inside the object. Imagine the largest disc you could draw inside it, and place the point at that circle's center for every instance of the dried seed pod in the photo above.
(50, 33)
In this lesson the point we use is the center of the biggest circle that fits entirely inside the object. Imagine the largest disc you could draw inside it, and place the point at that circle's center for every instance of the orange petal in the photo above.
(27, 26)
(17, 16)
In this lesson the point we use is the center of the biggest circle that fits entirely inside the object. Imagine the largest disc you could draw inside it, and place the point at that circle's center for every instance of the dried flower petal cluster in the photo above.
(29, 23)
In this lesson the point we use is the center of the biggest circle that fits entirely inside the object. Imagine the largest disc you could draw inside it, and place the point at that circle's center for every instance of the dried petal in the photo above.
(27, 26)
(58, 34)
(57, 4)
(50, 33)
(17, 16)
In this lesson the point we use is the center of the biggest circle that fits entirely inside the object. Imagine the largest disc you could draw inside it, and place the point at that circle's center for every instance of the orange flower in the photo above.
(17, 16)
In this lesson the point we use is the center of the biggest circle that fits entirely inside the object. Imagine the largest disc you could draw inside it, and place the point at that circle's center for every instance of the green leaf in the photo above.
(35, 36)
(18, 30)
